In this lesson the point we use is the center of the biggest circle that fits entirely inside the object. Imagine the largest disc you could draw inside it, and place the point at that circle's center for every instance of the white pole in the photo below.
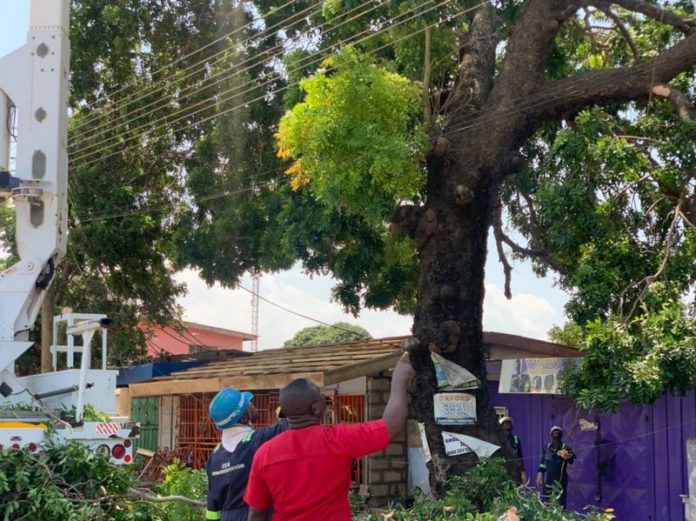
(54, 347)
(71, 345)
(86, 356)
(4, 132)
(103, 339)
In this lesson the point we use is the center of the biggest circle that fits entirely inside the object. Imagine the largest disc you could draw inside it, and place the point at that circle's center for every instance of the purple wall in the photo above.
(635, 462)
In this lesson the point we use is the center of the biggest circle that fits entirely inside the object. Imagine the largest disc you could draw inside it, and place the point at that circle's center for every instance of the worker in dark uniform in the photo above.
(230, 463)
(507, 424)
(553, 468)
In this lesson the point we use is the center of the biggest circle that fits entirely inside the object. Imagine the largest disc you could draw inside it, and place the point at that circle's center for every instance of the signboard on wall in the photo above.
(454, 408)
(531, 376)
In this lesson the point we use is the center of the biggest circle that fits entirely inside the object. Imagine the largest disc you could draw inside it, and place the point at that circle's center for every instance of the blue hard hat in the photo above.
(228, 407)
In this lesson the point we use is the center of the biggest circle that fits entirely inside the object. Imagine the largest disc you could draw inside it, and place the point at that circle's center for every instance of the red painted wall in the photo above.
(179, 343)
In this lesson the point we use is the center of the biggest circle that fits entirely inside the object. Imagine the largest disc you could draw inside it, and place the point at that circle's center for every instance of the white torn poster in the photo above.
(452, 376)
(453, 445)
(456, 444)
(454, 408)
(424, 443)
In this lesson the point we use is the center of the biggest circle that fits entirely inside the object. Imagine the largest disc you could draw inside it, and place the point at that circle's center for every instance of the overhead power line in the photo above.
(182, 58)
(521, 105)
(215, 101)
(201, 66)
(304, 316)
(217, 98)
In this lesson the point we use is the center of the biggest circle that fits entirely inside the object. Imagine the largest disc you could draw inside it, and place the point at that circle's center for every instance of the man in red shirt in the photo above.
(304, 473)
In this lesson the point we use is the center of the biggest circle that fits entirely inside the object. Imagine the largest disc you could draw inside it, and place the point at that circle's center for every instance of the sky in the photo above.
(536, 304)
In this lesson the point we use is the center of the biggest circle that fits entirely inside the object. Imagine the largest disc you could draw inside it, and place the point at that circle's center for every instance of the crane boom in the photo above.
(34, 80)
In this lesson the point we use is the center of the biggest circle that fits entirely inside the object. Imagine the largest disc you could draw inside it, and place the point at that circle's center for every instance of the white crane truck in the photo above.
(34, 82)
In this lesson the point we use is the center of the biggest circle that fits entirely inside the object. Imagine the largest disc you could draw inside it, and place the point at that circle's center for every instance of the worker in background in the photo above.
(230, 463)
(507, 424)
(305, 473)
(553, 468)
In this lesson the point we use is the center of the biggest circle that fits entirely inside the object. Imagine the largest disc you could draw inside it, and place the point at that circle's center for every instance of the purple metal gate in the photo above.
(635, 462)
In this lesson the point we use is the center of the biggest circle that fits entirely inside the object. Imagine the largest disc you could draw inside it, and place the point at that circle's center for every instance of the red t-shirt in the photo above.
(305, 473)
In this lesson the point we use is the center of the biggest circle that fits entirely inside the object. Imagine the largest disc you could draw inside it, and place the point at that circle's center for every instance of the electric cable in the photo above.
(567, 90)
(179, 60)
(472, 123)
(191, 90)
(219, 98)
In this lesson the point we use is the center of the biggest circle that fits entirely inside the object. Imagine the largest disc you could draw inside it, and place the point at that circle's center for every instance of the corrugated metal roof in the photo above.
(325, 364)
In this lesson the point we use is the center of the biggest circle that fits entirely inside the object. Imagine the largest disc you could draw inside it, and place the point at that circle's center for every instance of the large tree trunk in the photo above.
(452, 243)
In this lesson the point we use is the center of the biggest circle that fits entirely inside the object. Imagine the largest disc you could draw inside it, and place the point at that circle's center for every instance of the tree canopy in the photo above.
(333, 334)
(411, 130)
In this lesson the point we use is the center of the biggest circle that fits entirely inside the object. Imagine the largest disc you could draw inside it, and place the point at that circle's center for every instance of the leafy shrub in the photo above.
(70, 483)
(73, 483)
(484, 495)
(181, 481)
(638, 361)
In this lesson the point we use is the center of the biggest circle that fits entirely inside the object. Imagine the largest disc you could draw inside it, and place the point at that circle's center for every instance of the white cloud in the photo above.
(525, 314)
(228, 308)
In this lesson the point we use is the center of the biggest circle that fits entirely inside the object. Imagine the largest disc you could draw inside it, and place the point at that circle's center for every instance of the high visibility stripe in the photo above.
(213, 516)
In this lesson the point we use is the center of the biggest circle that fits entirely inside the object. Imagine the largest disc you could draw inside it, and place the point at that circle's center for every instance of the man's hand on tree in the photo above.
(540, 480)
(404, 371)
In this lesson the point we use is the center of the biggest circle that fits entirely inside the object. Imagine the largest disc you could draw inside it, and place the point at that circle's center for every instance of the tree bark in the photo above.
(448, 319)
(48, 307)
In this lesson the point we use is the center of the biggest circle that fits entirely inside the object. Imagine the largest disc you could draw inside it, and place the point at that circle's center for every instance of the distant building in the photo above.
(194, 339)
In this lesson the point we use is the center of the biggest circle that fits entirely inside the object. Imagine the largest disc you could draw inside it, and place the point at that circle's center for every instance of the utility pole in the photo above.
(255, 289)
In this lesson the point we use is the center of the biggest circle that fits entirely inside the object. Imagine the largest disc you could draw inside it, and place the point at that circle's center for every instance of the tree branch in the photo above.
(649, 279)
(623, 30)
(477, 60)
(150, 498)
(427, 70)
(498, 234)
(404, 220)
(680, 102)
(612, 86)
(655, 12)
(528, 49)
(536, 233)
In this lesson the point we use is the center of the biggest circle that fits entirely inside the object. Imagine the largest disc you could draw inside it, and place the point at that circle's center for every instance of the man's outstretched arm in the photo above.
(396, 411)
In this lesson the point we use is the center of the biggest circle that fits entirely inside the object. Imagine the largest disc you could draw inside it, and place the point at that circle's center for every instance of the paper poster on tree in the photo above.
(453, 445)
(454, 408)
